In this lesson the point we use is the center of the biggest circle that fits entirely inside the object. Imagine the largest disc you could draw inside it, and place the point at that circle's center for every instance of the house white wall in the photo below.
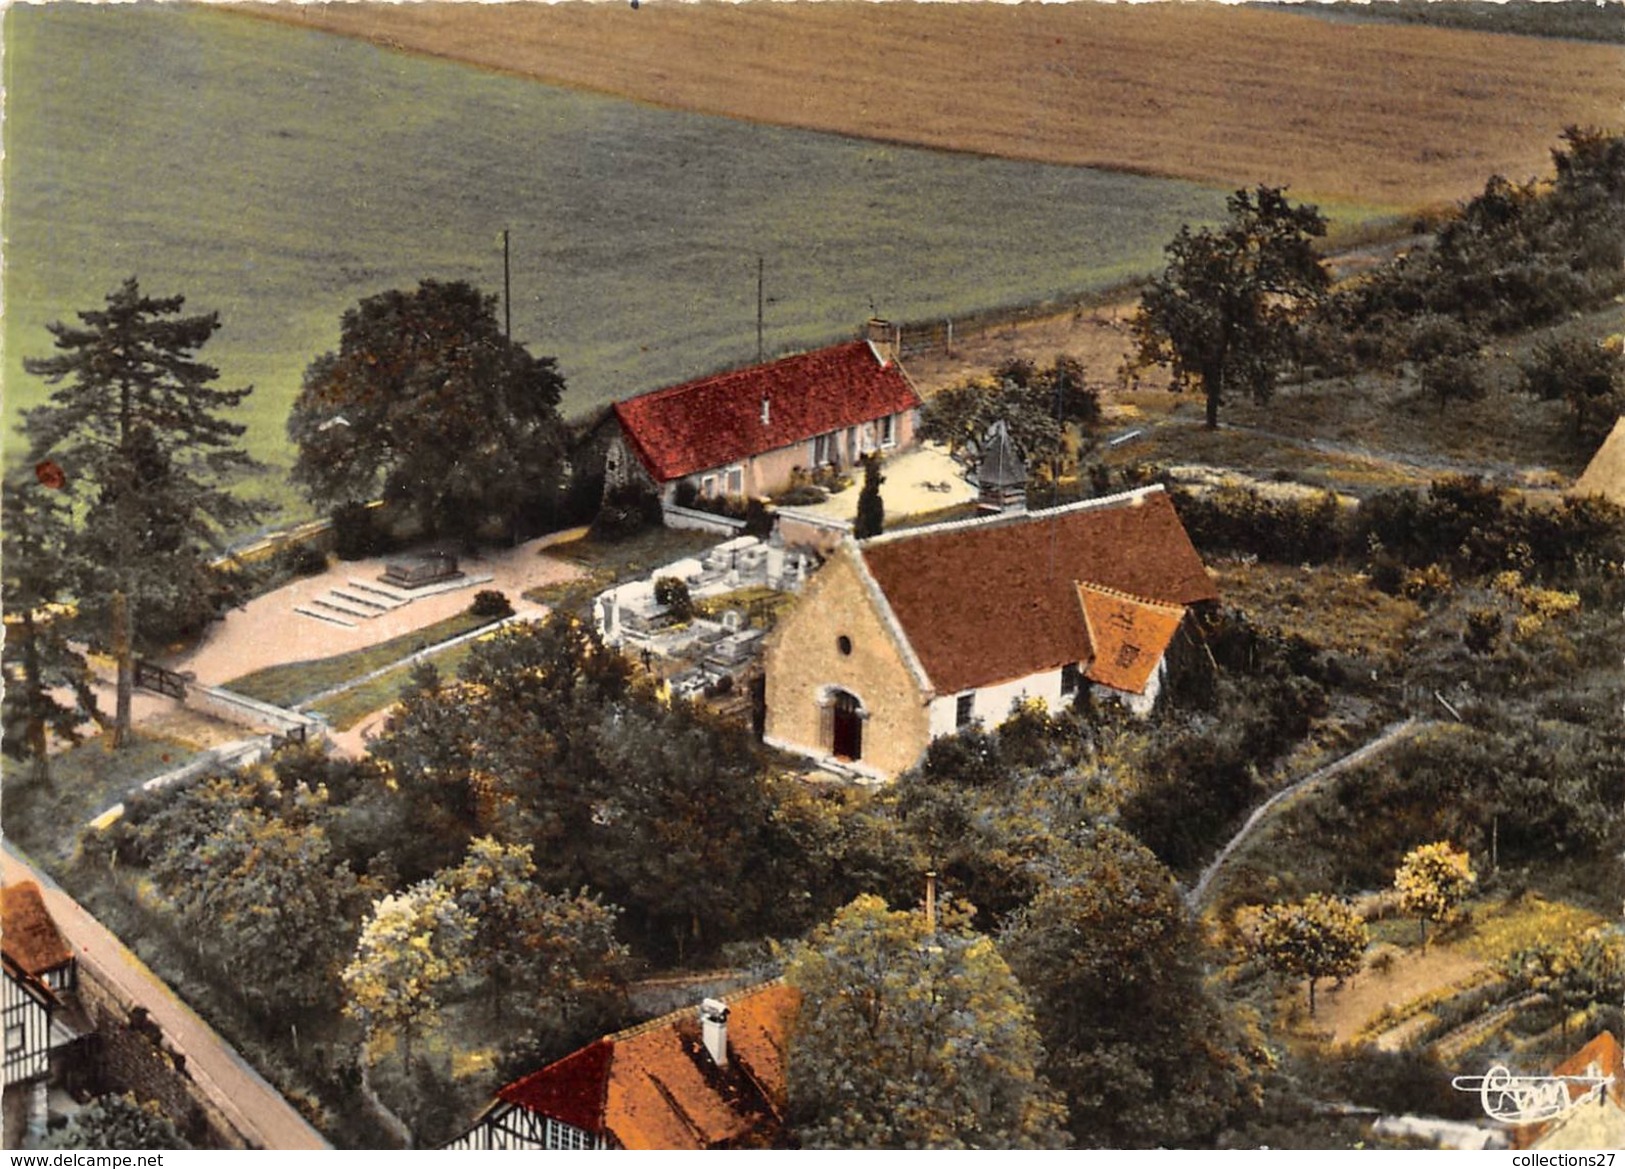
(992, 705)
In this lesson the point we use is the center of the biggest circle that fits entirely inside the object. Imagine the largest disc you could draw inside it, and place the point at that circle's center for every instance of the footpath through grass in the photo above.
(293, 682)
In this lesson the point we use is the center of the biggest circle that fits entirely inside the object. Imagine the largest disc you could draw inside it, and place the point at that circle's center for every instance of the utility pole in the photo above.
(507, 291)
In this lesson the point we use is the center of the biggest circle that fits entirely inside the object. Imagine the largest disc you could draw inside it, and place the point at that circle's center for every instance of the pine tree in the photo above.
(38, 657)
(136, 425)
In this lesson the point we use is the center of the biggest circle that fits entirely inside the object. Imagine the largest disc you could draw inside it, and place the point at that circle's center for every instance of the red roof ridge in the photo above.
(1132, 498)
(720, 419)
(1119, 594)
(731, 998)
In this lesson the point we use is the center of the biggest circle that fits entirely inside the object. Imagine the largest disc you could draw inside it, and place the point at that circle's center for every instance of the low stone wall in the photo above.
(131, 1054)
(241, 710)
(701, 521)
(801, 529)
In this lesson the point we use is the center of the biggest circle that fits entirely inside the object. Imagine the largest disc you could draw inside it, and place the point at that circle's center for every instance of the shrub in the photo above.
(491, 603)
(759, 519)
(674, 595)
(301, 560)
(802, 495)
(1483, 630)
(627, 510)
(357, 533)
(1425, 585)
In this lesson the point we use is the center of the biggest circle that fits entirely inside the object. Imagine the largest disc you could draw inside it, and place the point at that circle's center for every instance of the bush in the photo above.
(759, 519)
(803, 495)
(491, 603)
(674, 595)
(1483, 632)
(301, 560)
(626, 511)
(357, 534)
(1285, 531)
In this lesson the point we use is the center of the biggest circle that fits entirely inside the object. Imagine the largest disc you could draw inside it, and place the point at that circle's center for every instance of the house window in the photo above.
(888, 430)
(1071, 678)
(566, 1136)
(16, 1036)
(844, 644)
(823, 450)
(708, 486)
(736, 481)
(965, 710)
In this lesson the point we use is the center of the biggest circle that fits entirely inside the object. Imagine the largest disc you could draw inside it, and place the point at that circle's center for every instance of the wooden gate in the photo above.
(152, 677)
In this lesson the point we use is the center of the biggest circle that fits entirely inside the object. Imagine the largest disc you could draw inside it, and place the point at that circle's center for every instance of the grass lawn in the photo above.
(1500, 927)
(293, 682)
(346, 709)
(85, 781)
(278, 174)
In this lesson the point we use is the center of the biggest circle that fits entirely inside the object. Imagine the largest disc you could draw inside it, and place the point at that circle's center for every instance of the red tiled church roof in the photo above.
(27, 933)
(718, 420)
(655, 1087)
(1127, 636)
(988, 601)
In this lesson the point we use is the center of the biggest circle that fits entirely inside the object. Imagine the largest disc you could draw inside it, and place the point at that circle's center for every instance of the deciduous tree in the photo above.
(1433, 880)
(553, 956)
(1036, 402)
(413, 945)
(137, 428)
(1134, 1038)
(252, 874)
(426, 401)
(910, 1036)
(1222, 312)
(1318, 937)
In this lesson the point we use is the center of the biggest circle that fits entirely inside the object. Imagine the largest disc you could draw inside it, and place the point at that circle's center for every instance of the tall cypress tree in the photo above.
(871, 508)
(136, 424)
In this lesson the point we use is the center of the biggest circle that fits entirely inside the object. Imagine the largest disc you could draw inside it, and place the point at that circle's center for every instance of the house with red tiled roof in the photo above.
(745, 432)
(708, 1080)
(920, 632)
(39, 967)
(1595, 1118)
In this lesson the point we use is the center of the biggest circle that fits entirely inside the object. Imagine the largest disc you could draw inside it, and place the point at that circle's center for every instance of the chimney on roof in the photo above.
(767, 410)
(714, 1030)
(883, 337)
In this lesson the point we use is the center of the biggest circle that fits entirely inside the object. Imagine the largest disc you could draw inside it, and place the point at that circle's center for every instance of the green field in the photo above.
(278, 175)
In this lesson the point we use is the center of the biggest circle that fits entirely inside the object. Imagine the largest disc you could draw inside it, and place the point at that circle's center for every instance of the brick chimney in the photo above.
(714, 1030)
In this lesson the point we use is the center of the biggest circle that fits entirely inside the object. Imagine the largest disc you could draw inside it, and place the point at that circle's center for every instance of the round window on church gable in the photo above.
(844, 644)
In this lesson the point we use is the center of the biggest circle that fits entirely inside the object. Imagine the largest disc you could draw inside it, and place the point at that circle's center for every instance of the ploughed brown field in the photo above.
(1383, 115)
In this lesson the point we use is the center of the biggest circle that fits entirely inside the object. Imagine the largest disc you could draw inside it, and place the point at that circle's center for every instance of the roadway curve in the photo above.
(255, 1109)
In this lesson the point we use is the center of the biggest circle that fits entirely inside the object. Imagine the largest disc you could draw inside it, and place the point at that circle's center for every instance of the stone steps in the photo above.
(327, 617)
(328, 601)
(351, 598)
(379, 589)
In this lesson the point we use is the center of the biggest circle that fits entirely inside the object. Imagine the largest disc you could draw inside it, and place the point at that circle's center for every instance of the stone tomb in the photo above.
(420, 570)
